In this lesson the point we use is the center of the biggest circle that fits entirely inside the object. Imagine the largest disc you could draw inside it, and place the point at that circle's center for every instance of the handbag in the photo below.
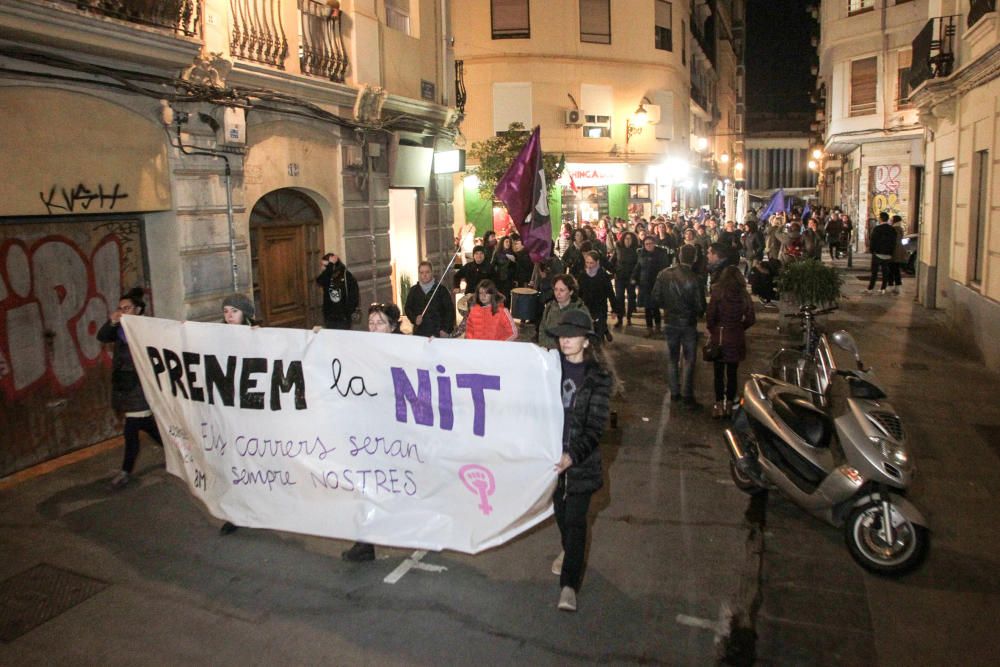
(712, 350)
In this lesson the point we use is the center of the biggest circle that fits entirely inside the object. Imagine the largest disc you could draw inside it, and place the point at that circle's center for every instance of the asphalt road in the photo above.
(683, 569)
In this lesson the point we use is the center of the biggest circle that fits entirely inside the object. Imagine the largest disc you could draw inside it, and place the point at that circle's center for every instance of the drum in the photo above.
(525, 304)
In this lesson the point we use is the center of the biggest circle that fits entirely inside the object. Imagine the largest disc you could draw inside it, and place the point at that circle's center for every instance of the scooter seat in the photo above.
(809, 422)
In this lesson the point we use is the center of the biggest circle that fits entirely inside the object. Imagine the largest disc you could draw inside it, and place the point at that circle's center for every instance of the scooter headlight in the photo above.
(893, 451)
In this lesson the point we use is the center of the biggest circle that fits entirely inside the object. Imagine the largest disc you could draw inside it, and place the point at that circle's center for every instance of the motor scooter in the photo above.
(843, 460)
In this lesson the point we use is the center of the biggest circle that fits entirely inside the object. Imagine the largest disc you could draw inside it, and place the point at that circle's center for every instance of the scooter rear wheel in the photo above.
(742, 481)
(867, 542)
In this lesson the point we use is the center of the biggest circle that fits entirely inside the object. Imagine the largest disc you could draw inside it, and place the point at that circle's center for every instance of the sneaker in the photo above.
(567, 599)
(895, 290)
(607, 336)
(228, 528)
(867, 291)
(359, 553)
(763, 301)
(881, 292)
(770, 304)
(120, 480)
(557, 563)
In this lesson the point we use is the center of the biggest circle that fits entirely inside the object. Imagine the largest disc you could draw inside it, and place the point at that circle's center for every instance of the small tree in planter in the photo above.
(807, 282)
(496, 154)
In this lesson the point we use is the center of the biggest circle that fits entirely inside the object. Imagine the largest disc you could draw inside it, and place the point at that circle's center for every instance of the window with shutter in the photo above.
(664, 38)
(511, 19)
(864, 91)
(859, 6)
(397, 15)
(903, 80)
(595, 21)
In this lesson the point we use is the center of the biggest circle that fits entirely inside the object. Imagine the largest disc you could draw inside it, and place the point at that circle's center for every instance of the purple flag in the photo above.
(523, 191)
(776, 204)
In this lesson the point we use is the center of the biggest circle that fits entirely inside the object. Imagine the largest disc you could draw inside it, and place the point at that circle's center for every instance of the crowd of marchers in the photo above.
(676, 270)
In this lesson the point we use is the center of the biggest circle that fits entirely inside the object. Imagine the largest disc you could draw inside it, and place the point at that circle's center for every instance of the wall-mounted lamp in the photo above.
(812, 164)
(724, 158)
(700, 144)
(817, 153)
(638, 121)
(738, 165)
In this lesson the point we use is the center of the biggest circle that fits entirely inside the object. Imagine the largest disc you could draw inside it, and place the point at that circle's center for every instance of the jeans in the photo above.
(133, 425)
(653, 317)
(885, 265)
(571, 517)
(624, 288)
(725, 380)
(681, 340)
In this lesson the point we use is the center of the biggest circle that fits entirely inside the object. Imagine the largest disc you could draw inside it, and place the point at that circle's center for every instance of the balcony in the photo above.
(978, 9)
(182, 17)
(934, 51)
(258, 35)
(699, 98)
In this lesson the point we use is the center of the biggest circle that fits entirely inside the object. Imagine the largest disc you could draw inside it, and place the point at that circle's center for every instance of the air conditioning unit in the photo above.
(574, 117)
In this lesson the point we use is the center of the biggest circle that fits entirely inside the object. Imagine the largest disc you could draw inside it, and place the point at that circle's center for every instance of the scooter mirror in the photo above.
(845, 342)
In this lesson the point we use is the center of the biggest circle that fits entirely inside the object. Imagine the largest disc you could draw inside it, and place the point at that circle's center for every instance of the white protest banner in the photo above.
(388, 439)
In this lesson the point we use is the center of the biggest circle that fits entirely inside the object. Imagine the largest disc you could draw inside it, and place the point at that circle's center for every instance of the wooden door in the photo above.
(281, 258)
(285, 228)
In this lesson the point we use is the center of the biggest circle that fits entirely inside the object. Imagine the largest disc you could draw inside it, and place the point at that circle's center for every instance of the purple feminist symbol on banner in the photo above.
(480, 481)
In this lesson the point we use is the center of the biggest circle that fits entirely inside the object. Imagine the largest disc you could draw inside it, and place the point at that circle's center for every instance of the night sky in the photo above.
(778, 56)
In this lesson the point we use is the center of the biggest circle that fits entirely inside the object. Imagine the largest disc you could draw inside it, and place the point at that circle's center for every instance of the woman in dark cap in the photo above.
(382, 318)
(586, 394)
(126, 392)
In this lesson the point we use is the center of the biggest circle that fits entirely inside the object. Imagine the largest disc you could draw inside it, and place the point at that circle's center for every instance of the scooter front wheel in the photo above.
(867, 540)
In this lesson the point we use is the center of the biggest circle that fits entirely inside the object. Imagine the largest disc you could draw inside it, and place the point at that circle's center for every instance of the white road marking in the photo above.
(412, 563)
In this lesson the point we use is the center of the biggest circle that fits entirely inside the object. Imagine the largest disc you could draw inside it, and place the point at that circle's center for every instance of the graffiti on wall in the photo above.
(885, 189)
(54, 296)
(81, 198)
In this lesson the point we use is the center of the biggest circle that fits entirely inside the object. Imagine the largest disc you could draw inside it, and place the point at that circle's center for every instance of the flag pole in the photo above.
(446, 270)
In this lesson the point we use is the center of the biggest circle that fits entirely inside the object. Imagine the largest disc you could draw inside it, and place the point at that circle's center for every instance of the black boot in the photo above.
(228, 528)
(359, 553)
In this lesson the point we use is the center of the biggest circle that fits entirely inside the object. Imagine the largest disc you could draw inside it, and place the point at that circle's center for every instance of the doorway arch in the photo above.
(285, 231)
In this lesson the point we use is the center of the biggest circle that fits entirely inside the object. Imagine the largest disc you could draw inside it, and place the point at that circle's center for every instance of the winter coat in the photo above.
(551, 316)
(596, 292)
(730, 314)
(587, 420)
(647, 267)
(483, 324)
(624, 261)
(572, 260)
(440, 315)
(883, 240)
(340, 292)
(473, 274)
(681, 294)
(523, 268)
(126, 392)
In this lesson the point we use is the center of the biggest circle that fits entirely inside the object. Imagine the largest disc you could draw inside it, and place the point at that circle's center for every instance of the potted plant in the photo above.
(807, 282)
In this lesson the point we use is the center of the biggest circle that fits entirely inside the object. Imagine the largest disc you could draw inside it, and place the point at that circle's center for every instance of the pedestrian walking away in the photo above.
(882, 245)
(730, 314)
(586, 394)
(127, 397)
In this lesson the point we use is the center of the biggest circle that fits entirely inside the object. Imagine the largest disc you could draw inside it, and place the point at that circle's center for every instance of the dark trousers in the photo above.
(133, 425)
(883, 265)
(682, 348)
(330, 323)
(725, 380)
(624, 288)
(571, 517)
(653, 317)
(896, 278)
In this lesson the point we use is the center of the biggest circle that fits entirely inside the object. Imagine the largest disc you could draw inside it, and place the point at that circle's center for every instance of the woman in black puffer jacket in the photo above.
(586, 395)
(126, 392)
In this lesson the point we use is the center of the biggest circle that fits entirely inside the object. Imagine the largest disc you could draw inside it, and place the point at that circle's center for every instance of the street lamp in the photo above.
(700, 143)
(813, 165)
(635, 124)
(817, 153)
(724, 158)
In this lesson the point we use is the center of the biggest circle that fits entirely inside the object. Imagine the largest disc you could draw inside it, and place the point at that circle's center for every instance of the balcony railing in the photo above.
(322, 52)
(933, 51)
(699, 97)
(978, 9)
(257, 32)
(180, 16)
(460, 95)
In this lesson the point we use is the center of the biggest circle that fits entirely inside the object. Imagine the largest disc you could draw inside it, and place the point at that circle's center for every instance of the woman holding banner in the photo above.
(586, 394)
(382, 318)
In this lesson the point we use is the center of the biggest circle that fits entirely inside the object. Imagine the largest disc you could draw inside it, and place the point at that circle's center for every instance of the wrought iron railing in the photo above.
(978, 9)
(460, 94)
(699, 97)
(180, 16)
(933, 51)
(258, 33)
(322, 52)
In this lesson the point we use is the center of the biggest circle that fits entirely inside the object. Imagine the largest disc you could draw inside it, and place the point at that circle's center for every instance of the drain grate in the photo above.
(39, 594)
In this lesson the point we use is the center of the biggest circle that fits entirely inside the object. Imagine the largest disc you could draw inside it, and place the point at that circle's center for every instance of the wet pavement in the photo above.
(683, 568)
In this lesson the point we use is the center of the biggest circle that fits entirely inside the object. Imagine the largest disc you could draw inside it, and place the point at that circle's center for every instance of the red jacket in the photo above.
(483, 324)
